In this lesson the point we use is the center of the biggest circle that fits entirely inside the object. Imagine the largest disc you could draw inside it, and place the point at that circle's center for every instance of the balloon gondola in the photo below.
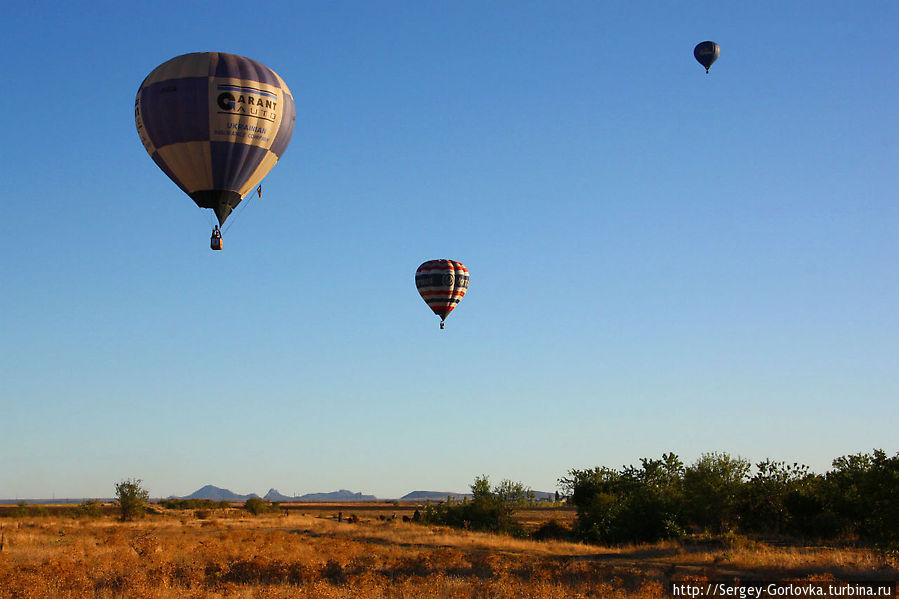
(442, 284)
(216, 124)
(215, 241)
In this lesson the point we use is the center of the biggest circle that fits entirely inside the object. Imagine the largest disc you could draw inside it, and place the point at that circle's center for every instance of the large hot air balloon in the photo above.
(706, 53)
(215, 123)
(442, 284)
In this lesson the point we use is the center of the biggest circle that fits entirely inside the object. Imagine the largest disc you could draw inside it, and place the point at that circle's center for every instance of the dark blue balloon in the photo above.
(706, 53)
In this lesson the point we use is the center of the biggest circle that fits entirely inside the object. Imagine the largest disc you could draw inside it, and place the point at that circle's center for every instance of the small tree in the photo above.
(489, 509)
(256, 506)
(480, 488)
(132, 498)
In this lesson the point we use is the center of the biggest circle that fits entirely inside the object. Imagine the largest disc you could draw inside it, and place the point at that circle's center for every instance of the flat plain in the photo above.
(304, 551)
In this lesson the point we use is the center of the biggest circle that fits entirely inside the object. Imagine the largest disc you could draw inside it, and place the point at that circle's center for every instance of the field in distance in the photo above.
(303, 551)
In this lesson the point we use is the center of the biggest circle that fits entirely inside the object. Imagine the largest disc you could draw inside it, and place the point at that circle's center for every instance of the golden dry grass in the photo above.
(314, 556)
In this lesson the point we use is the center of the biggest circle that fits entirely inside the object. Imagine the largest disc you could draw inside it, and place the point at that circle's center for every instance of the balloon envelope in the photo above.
(442, 284)
(215, 123)
(706, 53)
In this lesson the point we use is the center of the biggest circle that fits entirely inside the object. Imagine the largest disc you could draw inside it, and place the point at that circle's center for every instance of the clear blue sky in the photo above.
(661, 260)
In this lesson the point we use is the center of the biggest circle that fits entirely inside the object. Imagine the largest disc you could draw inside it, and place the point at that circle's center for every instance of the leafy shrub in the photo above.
(132, 498)
(189, 504)
(631, 505)
(713, 487)
(89, 508)
(257, 506)
(864, 493)
(662, 499)
(488, 510)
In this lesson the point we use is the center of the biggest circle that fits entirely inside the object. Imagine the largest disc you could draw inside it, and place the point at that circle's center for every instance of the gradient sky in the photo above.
(661, 260)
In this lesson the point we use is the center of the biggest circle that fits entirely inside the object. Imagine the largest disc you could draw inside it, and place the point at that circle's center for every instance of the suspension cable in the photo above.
(240, 207)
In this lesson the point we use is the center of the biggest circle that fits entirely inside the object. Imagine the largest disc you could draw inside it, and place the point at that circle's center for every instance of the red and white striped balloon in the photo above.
(442, 284)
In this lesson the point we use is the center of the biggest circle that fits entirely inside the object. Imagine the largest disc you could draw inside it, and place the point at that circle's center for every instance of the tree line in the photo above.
(719, 493)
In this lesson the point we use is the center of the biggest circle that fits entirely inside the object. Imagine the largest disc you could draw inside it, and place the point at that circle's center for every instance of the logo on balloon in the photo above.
(246, 101)
(226, 101)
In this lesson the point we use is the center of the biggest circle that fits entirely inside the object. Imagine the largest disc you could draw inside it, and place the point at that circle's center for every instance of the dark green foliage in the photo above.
(786, 498)
(132, 498)
(864, 493)
(630, 505)
(190, 504)
(257, 506)
(858, 499)
(712, 489)
(489, 509)
(765, 495)
(809, 511)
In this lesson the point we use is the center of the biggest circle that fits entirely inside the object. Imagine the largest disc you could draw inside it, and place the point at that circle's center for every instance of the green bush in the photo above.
(132, 498)
(857, 499)
(713, 488)
(631, 505)
(189, 504)
(863, 491)
(257, 506)
(489, 509)
(89, 508)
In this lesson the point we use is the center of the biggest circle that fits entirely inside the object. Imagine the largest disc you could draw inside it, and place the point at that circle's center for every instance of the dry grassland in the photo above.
(312, 555)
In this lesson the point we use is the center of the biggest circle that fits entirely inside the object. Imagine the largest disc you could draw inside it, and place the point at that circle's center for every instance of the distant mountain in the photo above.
(442, 495)
(217, 494)
(274, 495)
(341, 495)
(433, 495)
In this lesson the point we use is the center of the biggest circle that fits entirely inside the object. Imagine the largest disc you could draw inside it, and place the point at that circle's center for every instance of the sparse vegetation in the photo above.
(89, 508)
(171, 557)
(24, 510)
(448, 550)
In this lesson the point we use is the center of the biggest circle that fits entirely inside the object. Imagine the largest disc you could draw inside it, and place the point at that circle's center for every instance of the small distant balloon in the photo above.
(442, 284)
(706, 53)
